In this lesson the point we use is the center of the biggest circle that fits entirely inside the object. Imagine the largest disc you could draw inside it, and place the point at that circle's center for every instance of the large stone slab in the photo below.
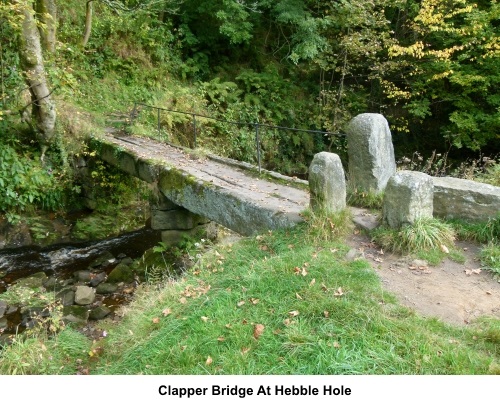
(224, 206)
(371, 152)
(465, 199)
(408, 197)
(327, 183)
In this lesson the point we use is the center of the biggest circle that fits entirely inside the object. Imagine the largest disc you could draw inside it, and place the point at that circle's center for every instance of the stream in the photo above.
(62, 261)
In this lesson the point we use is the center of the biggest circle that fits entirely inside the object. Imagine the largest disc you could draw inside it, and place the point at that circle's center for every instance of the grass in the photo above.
(424, 235)
(490, 258)
(283, 302)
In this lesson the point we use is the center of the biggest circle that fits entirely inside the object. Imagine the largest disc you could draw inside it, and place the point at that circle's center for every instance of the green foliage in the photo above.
(491, 175)
(26, 182)
(490, 258)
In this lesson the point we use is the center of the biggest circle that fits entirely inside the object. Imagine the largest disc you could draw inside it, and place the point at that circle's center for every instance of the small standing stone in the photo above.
(408, 197)
(327, 183)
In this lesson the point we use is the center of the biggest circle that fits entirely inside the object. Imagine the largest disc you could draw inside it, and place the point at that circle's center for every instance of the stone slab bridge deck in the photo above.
(225, 191)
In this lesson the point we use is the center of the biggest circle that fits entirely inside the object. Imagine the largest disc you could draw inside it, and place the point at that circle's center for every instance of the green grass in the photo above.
(490, 258)
(321, 315)
(424, 235)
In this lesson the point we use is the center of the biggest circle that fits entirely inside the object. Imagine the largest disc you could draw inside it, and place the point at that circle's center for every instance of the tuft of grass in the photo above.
(324, 226)
(482, 232)
(490, 258)
(364, 199)
(424, 235)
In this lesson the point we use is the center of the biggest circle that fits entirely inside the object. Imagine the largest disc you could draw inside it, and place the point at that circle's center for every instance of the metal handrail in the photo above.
(256, 125)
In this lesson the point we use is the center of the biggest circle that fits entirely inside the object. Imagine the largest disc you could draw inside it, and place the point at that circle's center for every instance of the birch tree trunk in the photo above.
(88, 23)
(46, 13)
(43, 113)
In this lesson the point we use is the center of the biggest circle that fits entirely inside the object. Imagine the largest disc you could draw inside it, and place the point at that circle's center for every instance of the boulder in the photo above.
(106, 288)
(121, 273)
(96, 279)
(408, 197)
(371, 153)
(465, 199)
(327, 183)
(76, 314)
(84, 295)
(100, 312)
(180, 219)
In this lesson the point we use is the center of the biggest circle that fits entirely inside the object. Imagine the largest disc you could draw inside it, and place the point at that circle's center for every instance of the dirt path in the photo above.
(452, 292)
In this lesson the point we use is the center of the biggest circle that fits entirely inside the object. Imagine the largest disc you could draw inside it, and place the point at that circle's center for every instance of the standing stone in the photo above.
(371, 153)
(327, 183)
(84, 295)
(408, 196)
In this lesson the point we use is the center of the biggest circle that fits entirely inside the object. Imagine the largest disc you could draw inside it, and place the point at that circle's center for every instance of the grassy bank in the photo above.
(280, 303)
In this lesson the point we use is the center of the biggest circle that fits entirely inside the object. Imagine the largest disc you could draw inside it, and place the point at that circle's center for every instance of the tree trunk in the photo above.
(46, 13)
(88, 23)
(43, 111)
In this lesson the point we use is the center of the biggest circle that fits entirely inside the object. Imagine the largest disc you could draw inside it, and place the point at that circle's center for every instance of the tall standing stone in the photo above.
(408, 197)
(327, 183)
(371, 153)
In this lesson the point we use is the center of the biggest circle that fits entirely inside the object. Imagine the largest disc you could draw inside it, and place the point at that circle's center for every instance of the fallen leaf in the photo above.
(444, 249)
(469, 272)
(378, 259)
(245, 350)
(228, 325)
(489, 293)
(254, 301)
(204, 318)
(304, 272)
(129, 290)
(258, 329)
(183, 300)
(296, 270)
(287, 322)
(166, 312)
(339, 292)
(298, 296)
(326, 314)
(221, 338)
(323, 287)
(244, 321)
(241, 303)
(156, 320)
(313, 281)
(294, 313)
(130, 332)
(336, 345)
(209, 361)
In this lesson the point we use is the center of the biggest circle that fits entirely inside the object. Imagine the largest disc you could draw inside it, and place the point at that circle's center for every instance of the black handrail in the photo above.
(256, 125)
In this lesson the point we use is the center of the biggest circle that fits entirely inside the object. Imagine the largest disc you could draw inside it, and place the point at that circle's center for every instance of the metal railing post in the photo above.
(159, 125)
(257, 142)
(133, 113)
(194, 130)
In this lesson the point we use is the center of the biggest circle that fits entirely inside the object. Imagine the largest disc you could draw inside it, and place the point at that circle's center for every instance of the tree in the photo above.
(46, 14)
(166, 6)
(43, 110)
(447, 69)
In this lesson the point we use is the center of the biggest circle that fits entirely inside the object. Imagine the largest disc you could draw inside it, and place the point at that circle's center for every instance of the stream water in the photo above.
(62, 260)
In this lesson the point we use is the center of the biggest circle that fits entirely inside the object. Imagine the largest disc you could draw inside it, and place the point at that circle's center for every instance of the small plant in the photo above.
(365, 199)
(424, 234)
(490, 258)
(328, 226)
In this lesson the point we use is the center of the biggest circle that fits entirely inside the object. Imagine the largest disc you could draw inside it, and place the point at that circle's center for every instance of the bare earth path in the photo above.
(452, 292)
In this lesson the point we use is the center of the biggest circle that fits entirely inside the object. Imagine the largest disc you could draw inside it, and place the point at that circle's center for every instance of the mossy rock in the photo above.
(75, 314)
(106, 288)
(121, 273)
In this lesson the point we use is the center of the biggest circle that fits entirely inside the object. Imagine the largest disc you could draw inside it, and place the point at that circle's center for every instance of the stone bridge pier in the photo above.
(176, 222)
